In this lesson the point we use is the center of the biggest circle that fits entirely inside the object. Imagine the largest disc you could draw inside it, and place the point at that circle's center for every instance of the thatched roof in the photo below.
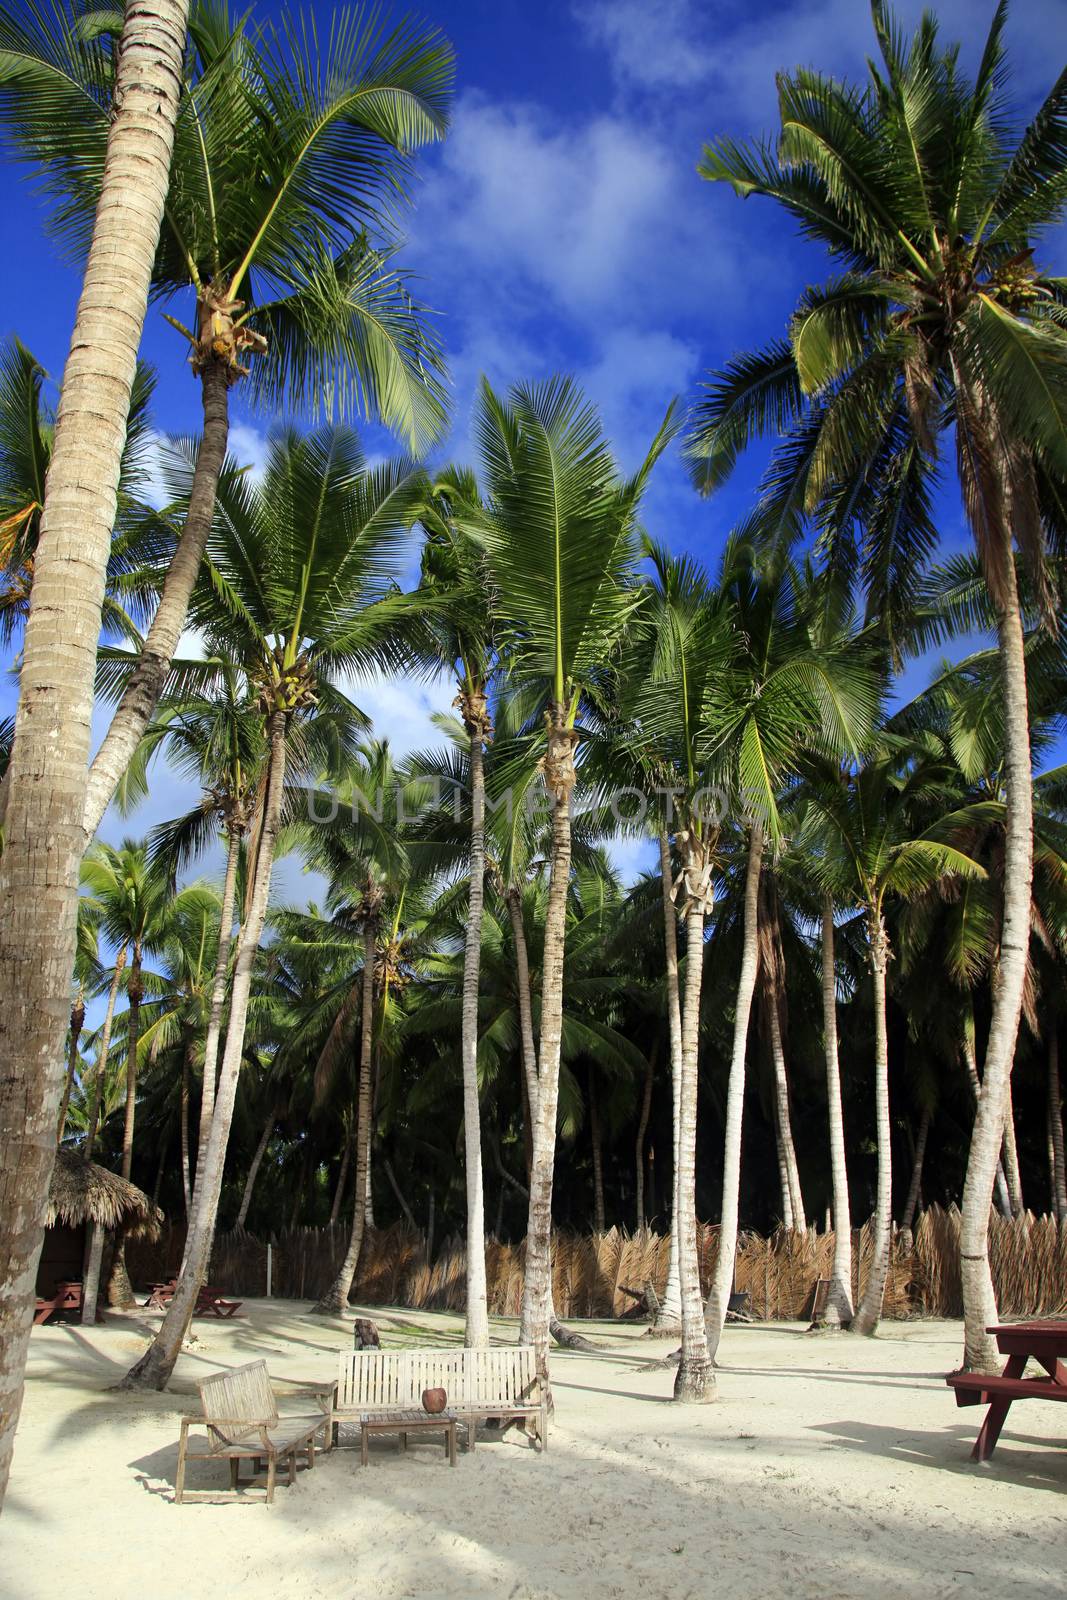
(83, 1192)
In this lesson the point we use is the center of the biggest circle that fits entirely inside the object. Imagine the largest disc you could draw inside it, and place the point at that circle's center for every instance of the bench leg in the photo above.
(401, 1441)
(989, 1432)
(179, 1476)
(311, 1452)
(999, 1407)
(235, 1467)
(450, 1443)
(272, 1469)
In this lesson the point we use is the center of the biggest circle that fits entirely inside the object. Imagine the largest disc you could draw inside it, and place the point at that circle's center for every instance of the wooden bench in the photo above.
(242, 1421)
(480, 1384)
(1043, 1342)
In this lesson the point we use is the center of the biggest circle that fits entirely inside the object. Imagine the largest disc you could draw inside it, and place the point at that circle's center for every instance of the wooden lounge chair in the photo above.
(480, 1384)
(242, 1422)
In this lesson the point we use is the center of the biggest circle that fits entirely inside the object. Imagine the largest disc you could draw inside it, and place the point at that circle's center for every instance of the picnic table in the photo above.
(1043, 1342)
(404, 1422)
(67, 1299)
(209, 1301)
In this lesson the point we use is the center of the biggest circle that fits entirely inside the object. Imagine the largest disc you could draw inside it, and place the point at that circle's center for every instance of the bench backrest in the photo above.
(242, 1395)
(379, 1379)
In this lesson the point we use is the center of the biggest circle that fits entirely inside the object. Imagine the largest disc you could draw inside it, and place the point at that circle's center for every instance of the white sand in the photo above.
(831, 1467)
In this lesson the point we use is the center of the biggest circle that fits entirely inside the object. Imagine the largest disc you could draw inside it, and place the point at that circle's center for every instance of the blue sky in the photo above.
(562, 227)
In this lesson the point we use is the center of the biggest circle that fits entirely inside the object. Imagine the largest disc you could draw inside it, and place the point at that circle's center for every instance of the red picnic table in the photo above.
(1043, 1342)
(209, 1302)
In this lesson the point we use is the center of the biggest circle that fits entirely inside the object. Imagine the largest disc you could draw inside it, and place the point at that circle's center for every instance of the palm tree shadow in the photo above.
(948, 1450)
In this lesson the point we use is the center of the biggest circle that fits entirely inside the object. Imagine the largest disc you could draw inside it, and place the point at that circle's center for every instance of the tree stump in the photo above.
(365, 1335)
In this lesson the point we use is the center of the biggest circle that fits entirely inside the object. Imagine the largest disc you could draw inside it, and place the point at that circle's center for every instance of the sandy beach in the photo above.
(830, 1466)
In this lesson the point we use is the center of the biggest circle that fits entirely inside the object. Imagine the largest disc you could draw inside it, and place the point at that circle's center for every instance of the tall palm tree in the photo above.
(292, 161)
(462, 624)
(45, 786)
(137, 913)
(370, 875)
(938, 320)
(559, 530)
(674, 703)
(299, 586)
(872, 838)
(798, 680)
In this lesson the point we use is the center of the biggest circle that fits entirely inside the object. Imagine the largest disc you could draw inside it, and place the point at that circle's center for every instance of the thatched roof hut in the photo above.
(82, 1192)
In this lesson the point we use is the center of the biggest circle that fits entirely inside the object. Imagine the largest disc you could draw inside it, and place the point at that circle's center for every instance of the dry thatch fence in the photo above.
(592, 1271)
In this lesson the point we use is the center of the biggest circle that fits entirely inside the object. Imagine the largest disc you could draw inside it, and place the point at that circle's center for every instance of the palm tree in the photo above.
(370, 872)
(298, 585)
(46, 779)
(558, 527)
(455, 577)
(798, 680)
(674, 704)
(938, 320)
(137, 913)
(292, 159)
(872, 838)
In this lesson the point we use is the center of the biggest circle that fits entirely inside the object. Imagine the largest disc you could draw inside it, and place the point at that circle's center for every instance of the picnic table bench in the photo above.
(480, 1384)
(1043, 1342)
(240, 1414)
(209, 1302)
(67, 1298)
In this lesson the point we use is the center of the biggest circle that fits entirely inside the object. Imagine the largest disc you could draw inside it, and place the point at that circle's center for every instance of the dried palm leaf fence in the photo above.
(593, 1271)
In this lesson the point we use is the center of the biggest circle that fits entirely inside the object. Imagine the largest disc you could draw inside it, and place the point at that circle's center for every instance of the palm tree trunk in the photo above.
(253, 1171)
(91, 1285)
(695, 1378)
(670, 1312)
(102, 1054)
(134, 710)
(335, 1300)
(784, 1120)
(522, 986)
(401, 1200)
(218, 988)
(639, 1144)
(119, 1289)
(77, 1019)
(1055, 1113)
(44, 791)
(154, 1368)
(342, 1178)
(537, 1289)
(722, 1283)
(838, 1311)
(784, 1188)
(596, 1141)
(870, 1306)
(979, 1301)
(183, 1117)
(1010, 1158)
(912, 1201)
(476, 1335)
(1001, 1184)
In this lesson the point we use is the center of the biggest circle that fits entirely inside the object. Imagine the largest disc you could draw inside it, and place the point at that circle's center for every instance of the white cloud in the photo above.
(594, 214)
(249, 446)
(402, 709)
(735, 49)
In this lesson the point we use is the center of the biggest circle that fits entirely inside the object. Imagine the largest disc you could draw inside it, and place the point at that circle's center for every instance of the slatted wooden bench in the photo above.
(243, 1424)
(480, 1384)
